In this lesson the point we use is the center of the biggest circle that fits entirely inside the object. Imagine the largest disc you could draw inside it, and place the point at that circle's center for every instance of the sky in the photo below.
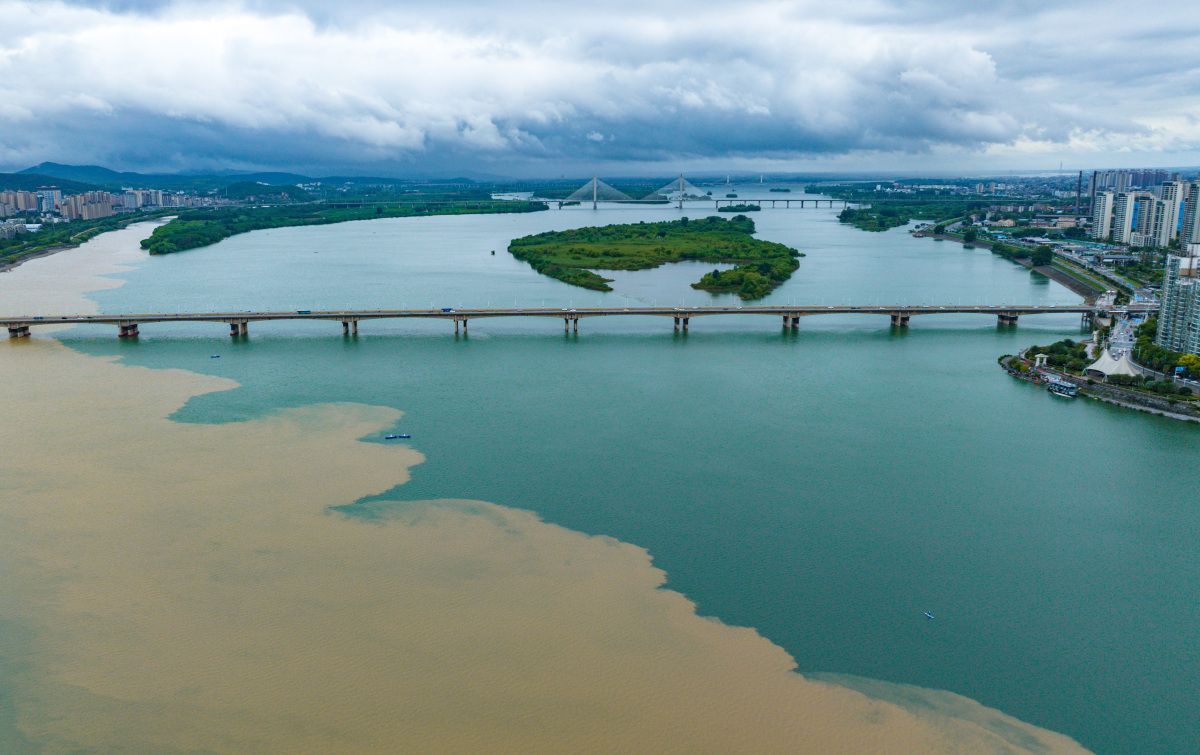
(525, 88)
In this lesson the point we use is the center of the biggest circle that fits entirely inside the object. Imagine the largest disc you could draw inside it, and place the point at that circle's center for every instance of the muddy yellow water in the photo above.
(186, 588)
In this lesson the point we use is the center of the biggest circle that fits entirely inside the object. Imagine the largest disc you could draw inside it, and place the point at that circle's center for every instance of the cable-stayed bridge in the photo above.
(677, 192)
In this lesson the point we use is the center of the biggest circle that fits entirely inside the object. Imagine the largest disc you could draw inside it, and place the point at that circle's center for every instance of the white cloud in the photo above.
(276, 84)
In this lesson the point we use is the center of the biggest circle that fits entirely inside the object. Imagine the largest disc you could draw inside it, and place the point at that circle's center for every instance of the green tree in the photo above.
(1043, 255)
(970, 235)
(1192, 363)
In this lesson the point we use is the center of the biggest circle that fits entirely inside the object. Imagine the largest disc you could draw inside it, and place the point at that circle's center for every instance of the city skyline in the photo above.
(621, 89)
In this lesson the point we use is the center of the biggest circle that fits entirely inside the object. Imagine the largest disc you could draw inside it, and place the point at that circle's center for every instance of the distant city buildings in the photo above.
(1118, 181)
(16, 202)
(49, 202)
(91, 205)
(1179, 319)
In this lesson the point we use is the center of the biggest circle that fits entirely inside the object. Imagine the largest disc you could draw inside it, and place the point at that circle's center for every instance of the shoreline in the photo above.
(1096, 392)
(13, 264)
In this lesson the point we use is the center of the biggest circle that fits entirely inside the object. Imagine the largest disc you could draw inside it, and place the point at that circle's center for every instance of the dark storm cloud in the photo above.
(423, 85)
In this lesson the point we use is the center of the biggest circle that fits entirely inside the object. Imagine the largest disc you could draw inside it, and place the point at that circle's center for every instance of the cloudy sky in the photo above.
(616, 87)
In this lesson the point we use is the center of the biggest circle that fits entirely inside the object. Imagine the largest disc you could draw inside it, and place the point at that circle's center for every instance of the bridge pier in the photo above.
(791, 321)
(1006, 319)
(349, 327)
(127, 330)
(457, 320)
(18, 331)
(900, 320)
(569, 322)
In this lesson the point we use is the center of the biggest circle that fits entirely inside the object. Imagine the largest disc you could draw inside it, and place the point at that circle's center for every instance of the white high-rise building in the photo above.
(1166, 213)
(1102, 214)
(1144, 205)
(1122, 224)
(1179, 319)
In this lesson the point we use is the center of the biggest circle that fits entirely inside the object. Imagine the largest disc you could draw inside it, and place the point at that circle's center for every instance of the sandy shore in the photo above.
(186, 588)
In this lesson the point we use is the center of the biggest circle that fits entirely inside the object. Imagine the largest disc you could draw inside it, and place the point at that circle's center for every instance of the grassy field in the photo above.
(572, 256)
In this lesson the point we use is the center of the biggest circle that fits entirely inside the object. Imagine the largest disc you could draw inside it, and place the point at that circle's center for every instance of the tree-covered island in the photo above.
(571, 256)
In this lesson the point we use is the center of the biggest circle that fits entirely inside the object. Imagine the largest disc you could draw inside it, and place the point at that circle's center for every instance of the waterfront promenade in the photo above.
(127, 324)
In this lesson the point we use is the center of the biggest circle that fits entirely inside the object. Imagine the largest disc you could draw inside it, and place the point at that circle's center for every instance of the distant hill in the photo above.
(204, 182)
(34, 181)
(93, 174)
(113, 180)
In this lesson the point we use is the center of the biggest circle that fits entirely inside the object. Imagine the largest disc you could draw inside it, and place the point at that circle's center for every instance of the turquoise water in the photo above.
(825, 486)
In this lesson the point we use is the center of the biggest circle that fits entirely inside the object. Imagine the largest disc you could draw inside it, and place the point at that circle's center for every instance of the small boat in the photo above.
(215, 356)
(394, 437)
(928, 615)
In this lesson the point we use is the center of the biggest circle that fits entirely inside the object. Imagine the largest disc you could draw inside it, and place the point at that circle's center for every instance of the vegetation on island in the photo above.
(739, 208)
(197, 228)
(876, 218)
(572, 255)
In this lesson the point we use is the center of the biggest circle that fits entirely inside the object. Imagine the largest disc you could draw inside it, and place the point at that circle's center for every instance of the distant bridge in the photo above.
(596, 191)
(239, 322)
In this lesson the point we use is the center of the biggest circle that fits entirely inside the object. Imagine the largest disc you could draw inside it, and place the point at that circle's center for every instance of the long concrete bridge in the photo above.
(239, 322)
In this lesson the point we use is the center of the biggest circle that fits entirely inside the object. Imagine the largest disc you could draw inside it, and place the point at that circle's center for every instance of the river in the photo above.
(824, 486)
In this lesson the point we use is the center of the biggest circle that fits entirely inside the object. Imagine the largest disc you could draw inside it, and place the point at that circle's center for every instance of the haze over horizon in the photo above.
(620, 88)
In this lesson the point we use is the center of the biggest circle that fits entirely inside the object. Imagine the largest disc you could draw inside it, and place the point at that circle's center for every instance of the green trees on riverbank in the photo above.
(1148, 354)
(1067, 355)
(196, 228)
(572, 255)
(65, 235)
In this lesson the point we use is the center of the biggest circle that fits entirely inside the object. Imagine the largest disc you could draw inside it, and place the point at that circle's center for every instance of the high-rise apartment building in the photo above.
(49, 198)
(1102, 214)
(1166, 221)
(1179, 319)
(1189, 232)
(1123, 209)
(1144, 209)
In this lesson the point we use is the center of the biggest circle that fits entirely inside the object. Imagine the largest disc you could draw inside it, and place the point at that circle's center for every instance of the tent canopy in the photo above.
(1106, 365)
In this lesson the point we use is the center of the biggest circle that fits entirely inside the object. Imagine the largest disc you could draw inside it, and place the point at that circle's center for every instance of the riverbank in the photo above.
(1108, 394)
(12, 264)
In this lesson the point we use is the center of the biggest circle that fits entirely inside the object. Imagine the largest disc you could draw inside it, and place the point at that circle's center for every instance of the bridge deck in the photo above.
(905, 310)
